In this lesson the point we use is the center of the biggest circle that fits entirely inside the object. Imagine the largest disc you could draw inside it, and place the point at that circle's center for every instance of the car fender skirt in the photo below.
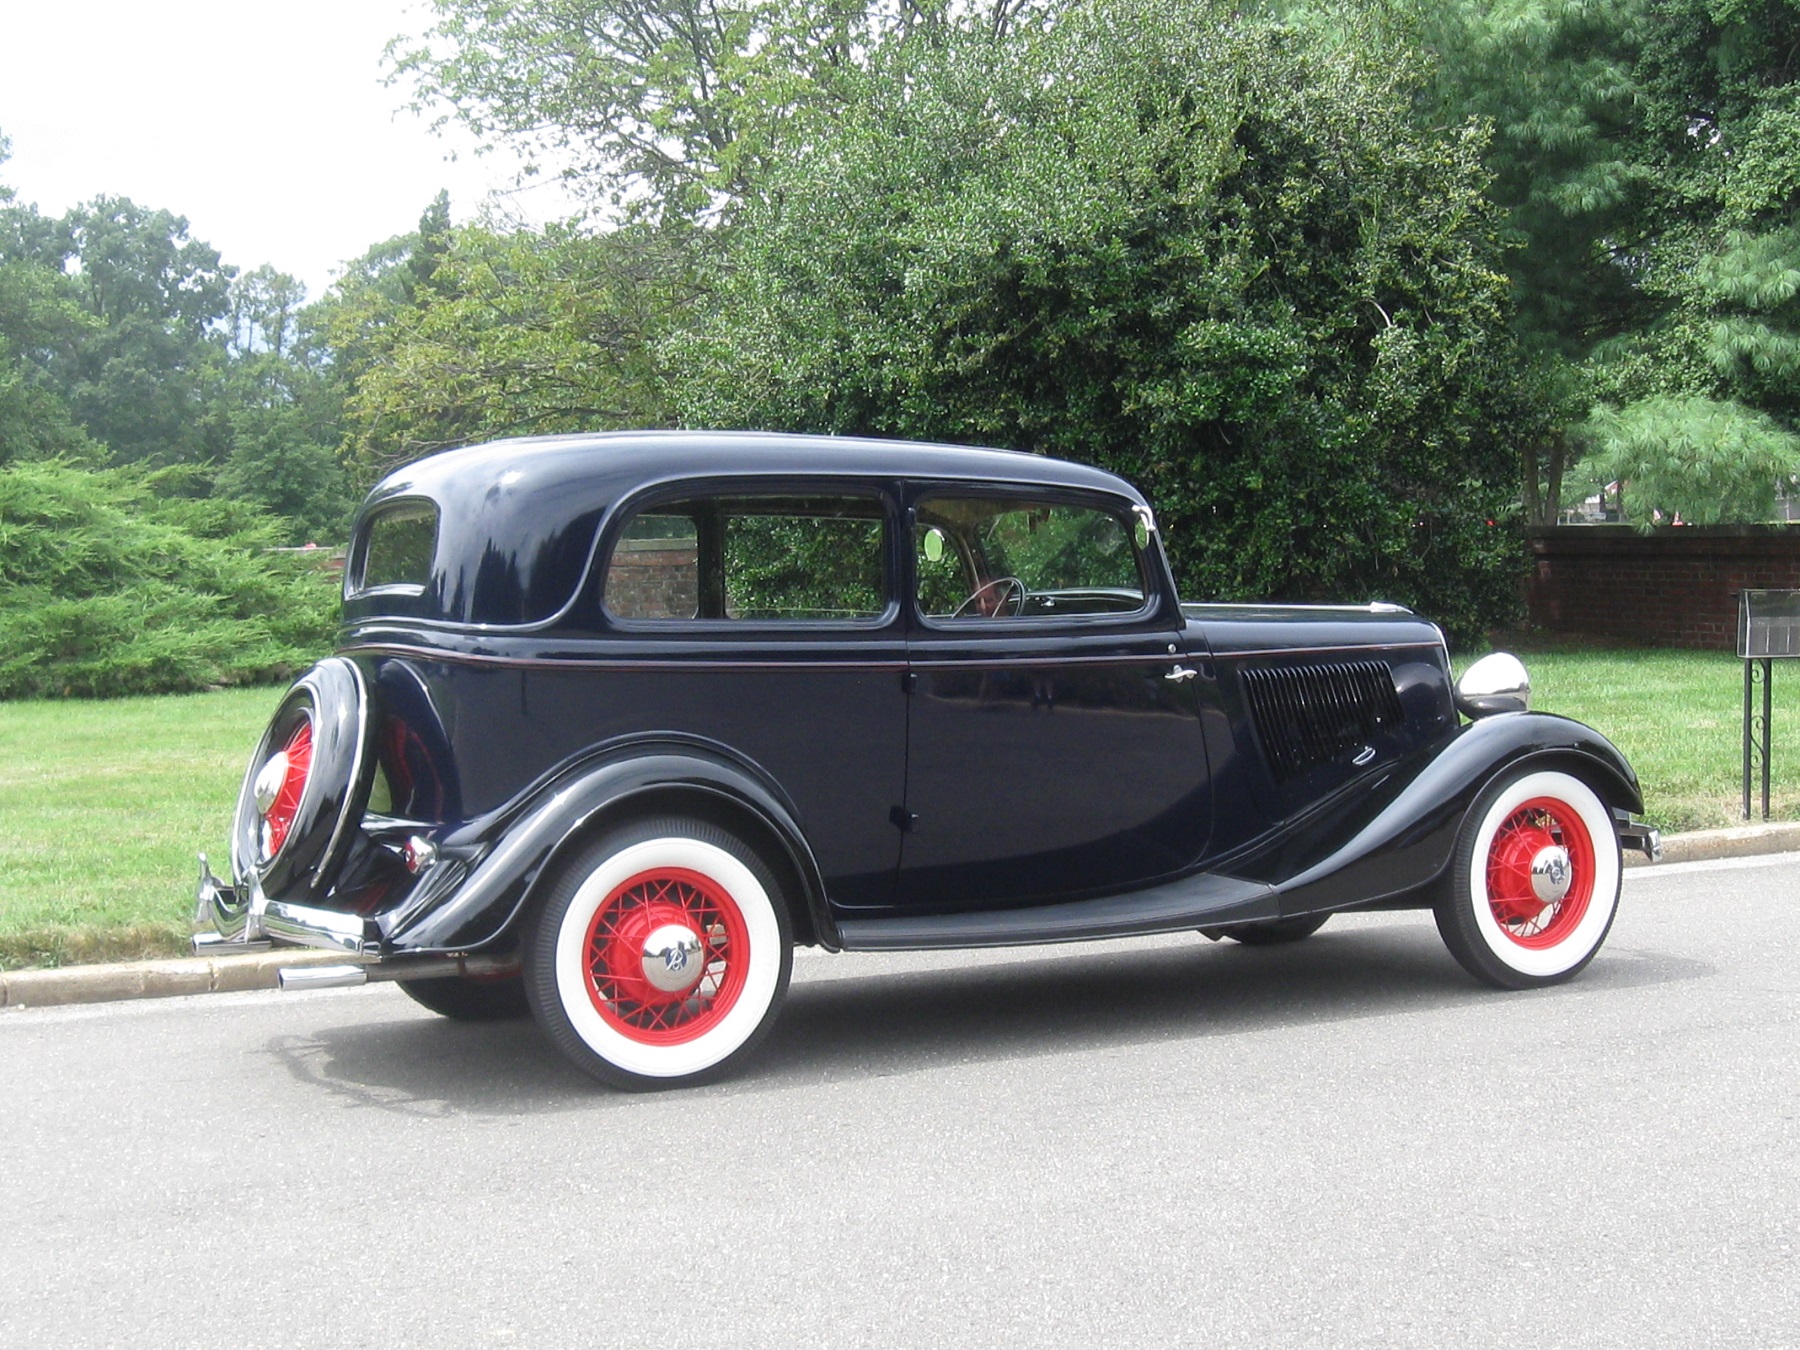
(481, 900)
(1395, 833)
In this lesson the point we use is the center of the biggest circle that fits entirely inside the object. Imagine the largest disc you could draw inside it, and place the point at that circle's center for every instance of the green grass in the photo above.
(104, 804)
(1678, 716)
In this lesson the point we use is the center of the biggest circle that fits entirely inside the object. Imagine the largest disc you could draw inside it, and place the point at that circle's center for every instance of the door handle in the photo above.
(1181, 673)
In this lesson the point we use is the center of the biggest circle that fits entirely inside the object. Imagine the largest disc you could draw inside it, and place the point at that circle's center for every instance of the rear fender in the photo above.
(1396, 835)
(490, 867)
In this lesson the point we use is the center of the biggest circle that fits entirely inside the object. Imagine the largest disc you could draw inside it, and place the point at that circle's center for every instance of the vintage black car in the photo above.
(617, 720)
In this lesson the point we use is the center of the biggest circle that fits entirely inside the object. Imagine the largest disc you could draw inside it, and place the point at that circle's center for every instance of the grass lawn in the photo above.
(1678, 716)
(104, 804)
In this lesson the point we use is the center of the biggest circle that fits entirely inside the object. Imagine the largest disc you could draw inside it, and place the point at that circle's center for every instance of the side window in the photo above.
(398, 547)
(777, 558)
(655, 568)
(1005, 557)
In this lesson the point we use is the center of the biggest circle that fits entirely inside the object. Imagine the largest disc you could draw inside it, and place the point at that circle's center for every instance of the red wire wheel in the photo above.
(1534, 832)
(296, 761)
(660, 954)
(1533, 883)
(667, 953)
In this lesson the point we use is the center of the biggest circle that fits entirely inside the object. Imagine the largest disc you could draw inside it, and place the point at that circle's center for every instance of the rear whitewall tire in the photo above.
(564, 982)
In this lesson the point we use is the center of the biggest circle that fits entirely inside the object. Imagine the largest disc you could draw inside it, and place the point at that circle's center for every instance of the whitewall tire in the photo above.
(1534, 883)
(661, 954)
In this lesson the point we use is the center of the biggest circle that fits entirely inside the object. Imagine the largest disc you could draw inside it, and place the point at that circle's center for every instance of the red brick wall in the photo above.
(1676, 587)
(654, 579)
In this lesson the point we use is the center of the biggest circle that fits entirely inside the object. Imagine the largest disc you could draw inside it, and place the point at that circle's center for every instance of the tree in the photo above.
(519, 332)
(670, 106)
(1215, 254)
(142, 376)
(1645, 153)
(37, 318)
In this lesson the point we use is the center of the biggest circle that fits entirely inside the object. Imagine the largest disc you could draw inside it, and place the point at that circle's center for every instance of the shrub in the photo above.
(110, 584)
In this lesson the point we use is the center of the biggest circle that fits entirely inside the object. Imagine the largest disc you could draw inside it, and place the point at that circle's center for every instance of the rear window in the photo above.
(773, 558)
(398, 547)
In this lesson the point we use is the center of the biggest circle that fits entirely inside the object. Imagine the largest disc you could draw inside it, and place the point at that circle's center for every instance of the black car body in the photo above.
(616, 720)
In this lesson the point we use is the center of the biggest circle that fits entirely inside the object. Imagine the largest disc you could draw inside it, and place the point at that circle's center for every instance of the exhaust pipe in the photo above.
(402, 968)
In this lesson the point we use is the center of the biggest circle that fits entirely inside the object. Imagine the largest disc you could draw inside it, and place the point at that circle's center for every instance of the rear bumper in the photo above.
(1638, 836)
(229, 919)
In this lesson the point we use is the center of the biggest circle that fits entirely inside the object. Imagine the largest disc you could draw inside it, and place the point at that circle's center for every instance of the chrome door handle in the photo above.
(1181, 673)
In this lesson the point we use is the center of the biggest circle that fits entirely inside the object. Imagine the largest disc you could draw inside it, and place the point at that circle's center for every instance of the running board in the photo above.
(1206, 900)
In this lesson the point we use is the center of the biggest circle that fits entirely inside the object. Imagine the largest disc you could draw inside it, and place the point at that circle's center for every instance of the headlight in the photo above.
(1495, 684)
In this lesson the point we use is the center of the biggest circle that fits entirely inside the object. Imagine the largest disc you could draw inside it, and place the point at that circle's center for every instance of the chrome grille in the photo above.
(1307, 715)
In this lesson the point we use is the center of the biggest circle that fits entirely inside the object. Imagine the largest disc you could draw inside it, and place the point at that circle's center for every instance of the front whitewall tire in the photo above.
(1469, 912)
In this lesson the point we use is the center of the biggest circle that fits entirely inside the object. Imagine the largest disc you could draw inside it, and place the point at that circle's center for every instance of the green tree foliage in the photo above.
(1699, 458)
(1647, 157)
(1213, 254)
(143, 377)
(115, 582)
(671, 106)
(284, 408)
(512, 333)
(37, 319)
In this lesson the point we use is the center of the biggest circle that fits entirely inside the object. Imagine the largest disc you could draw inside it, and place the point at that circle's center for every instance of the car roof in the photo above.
(518, 518)
(607, 465)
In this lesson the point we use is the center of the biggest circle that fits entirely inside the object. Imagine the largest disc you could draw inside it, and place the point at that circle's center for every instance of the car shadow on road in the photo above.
(841, 1026)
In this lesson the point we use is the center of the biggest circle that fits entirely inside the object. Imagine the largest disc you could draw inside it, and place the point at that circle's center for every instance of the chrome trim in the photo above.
(309, 926)
(320, 977)
(209, 944)
(1497, 683)
(365, 732)
(1642, 838)
(1181, 673)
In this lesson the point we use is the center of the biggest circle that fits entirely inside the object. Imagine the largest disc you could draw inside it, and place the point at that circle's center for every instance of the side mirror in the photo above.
(1497, 683)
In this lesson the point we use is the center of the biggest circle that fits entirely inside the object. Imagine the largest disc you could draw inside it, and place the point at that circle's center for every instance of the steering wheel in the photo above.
(1001, 591)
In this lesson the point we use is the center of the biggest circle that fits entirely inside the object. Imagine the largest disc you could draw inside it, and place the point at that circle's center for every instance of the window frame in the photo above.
(356, 572)
(662, 498)
(1123, 512)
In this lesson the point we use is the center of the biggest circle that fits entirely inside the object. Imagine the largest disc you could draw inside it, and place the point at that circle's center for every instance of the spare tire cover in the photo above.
(306, 785)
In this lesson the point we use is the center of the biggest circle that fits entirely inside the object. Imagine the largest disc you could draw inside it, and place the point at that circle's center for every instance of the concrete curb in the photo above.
(223, 974)
(152, 979)
(1739, 841)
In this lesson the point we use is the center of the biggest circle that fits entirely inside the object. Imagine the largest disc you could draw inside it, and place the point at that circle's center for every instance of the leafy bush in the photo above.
(111, 584)
(1210, 252)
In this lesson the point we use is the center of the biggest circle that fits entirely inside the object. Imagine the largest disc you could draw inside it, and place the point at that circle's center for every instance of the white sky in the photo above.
(267, 126)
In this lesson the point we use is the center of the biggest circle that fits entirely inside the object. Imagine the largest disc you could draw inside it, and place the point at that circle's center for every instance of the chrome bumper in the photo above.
(1642, 838)
(228, 920)
(255, 923)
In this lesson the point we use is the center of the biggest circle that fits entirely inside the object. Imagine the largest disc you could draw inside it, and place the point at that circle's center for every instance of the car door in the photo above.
(761, 622)
(1054, 743)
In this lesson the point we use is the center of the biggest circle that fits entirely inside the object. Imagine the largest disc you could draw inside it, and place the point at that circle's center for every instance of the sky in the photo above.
(267, 126)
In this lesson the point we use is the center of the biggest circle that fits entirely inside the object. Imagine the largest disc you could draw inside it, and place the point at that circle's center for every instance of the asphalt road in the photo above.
(1146, 1143)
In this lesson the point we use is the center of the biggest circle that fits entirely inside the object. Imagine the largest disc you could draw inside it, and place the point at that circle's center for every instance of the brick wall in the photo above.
(654, 579)
(1676, 587)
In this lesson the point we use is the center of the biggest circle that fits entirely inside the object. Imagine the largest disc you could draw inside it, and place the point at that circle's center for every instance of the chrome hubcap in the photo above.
(269, 780)
(1551, 874)
(672, 958)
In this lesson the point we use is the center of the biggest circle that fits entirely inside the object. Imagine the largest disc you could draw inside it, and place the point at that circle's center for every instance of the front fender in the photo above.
(487, 869)
(1384, 838)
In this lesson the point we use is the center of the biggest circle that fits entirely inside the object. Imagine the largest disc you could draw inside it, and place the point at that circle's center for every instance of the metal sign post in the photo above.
(1768, 630)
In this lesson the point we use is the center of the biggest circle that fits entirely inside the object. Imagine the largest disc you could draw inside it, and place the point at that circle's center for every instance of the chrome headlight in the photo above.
(1495, 684)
